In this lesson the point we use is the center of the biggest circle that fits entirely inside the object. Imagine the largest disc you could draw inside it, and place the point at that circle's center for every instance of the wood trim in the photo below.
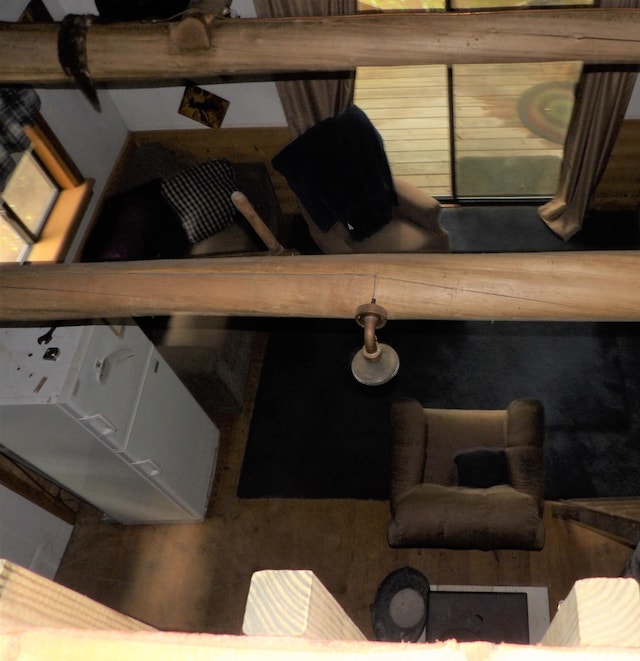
(28, 600)
(72, 201)
(143, 52)
(53, 155)
(619, 188)
(62, 223)
(239, 145)
(127, 151)
(567, 286)
(618, 517)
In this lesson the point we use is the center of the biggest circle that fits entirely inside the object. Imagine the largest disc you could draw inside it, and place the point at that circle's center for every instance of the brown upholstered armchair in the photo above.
(436, 452)
(350, 200)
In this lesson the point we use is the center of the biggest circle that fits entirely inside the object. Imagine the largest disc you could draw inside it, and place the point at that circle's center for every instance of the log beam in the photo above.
(568, 286)
(130, 52)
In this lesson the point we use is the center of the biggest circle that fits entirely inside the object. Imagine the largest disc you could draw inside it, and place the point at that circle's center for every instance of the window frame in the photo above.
(65, 215)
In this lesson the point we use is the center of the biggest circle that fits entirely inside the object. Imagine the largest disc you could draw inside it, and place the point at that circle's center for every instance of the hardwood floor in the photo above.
(195, 577)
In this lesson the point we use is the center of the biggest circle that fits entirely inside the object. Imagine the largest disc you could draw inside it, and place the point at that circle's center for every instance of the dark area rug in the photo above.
(317, 433)
(512, 228)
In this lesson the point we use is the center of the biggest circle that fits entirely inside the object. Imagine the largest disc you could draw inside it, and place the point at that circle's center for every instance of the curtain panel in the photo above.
(18, 107)
(312, 97)
(602, 97)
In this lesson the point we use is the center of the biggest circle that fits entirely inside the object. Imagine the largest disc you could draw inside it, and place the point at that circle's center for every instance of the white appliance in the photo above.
(96, 409)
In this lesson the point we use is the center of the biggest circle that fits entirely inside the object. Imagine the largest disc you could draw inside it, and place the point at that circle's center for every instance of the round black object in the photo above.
(401, 606)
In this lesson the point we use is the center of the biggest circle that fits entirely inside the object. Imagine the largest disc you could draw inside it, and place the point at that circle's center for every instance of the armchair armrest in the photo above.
(524, 441)
(422, 209)
(526, 472)
(242, 204)
(408, 447)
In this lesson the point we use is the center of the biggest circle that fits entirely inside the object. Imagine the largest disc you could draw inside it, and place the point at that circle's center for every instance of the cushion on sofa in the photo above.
(200, 195)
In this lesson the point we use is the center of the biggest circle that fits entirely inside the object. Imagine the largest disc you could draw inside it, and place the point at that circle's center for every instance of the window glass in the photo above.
(473, 131)
(410, 108)
(13, 247)
(30, 193)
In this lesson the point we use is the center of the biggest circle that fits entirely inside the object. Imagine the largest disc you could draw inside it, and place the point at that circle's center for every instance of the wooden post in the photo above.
(597, 612)
(295, 603)
(242, 204)
(28, 600)
(42, 620)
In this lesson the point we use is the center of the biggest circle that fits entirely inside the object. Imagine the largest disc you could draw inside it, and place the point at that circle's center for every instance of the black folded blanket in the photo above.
(339, 171)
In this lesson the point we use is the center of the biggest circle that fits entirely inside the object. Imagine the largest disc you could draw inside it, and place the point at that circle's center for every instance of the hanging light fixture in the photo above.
(376, 363)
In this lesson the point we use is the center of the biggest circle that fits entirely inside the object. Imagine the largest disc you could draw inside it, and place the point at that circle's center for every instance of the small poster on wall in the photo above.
(203, 106)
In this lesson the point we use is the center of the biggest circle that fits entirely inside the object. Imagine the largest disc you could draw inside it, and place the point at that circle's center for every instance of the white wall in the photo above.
(38, 546)
(93, 139)
(10, 10)
(250, 104)
(633, 111)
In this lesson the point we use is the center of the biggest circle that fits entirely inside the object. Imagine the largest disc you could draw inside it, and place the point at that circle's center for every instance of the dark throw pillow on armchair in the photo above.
(482, 468)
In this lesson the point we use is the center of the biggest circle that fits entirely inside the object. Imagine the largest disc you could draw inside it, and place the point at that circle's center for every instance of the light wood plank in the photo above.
(29, 601)
(597, 612)
(295, 603)
(169, 646)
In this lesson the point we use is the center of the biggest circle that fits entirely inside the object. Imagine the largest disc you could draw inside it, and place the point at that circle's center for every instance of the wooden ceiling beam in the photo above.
(562, 286)
(130, 52)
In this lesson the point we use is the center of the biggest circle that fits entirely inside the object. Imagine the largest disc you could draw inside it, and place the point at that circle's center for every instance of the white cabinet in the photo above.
(96, 409)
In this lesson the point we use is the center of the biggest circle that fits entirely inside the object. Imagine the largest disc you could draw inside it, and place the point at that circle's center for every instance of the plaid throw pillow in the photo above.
(201, 197)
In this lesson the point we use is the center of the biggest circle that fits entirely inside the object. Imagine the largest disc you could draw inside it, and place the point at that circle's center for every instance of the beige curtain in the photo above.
(602, 98)
(314, 97)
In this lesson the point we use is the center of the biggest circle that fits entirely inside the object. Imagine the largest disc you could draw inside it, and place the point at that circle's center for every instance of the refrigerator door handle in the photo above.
(104, 366)
(100, 424)
(148, 467)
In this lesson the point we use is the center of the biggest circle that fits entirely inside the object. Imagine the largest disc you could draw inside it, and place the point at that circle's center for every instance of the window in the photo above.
(476, 132)
(42, 202)
(27, 200)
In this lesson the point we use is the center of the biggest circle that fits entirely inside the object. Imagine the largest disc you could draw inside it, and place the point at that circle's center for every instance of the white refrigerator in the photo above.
(97, 410)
